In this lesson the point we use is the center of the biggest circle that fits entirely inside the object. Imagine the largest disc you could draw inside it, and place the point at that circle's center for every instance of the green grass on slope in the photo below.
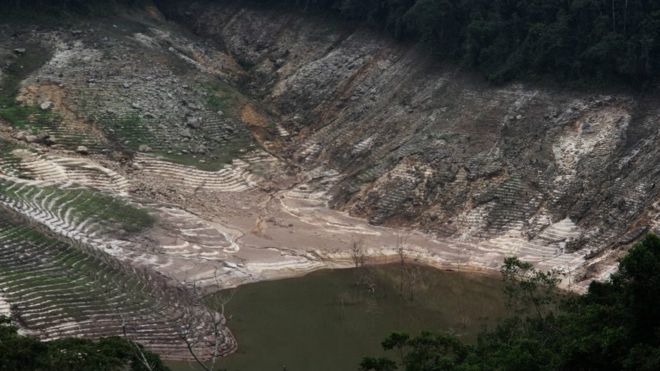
(26, 117)
(111, 213)
(37, 265)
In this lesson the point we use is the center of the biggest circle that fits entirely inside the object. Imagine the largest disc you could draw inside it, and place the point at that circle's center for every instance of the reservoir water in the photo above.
(329, 320)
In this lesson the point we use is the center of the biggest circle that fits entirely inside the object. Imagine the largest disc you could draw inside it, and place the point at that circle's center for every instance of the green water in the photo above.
(326, 322)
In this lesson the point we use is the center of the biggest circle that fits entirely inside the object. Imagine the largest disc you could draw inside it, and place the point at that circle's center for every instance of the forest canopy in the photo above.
(18, 352)
(594, 40)
(609, 41)
(29, 8)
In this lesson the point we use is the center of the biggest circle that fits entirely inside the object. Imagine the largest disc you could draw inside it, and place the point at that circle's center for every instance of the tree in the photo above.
(604, 41)
(199, 315)
(527, 287)
(427, 352)
(111, 353)
(614, 326)
(357, 254)
(148, 362)
(400, 248)
(409, 273)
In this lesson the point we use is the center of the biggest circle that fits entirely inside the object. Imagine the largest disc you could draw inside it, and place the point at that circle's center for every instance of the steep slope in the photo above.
(422, 144)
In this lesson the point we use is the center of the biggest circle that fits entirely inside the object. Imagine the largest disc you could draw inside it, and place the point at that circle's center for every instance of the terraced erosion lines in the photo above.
(72, 210)
(56, 290)
(69, 170)
(234, 178)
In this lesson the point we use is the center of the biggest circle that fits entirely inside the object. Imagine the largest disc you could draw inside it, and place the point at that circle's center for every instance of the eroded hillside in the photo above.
(197, 144)
(424, 145)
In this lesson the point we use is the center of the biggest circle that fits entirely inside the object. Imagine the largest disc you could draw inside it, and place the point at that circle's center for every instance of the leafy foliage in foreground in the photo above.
(614, 326)
(114, 353)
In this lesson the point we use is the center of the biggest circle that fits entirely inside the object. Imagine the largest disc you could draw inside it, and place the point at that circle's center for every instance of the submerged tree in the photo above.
(526, 287)
(614, 326)
(201, 327)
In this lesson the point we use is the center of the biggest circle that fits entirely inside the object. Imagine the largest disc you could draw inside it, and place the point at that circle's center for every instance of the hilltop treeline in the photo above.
(584, 40)
(506, 39)
(27, 8)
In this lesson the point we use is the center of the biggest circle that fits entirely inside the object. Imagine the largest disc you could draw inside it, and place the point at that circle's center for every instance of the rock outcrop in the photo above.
(423, 144)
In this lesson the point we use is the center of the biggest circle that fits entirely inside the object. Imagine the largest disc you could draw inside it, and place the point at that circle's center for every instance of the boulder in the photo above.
(82, 150)
(46, 139)
(200, 149)
(45, 106)
(185, 133)
(20, 135)
(144, 148)
(20, 51)
(194, 122)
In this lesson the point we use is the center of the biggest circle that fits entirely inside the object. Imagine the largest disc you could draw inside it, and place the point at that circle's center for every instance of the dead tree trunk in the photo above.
(201, 327)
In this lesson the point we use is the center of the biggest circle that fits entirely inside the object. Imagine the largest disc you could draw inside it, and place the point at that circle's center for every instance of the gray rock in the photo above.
(20, 135)
(185, 133)
(200, 149)
(82, 150)
(194, 122)
(144, 148)
(31, 138)
(20, 51)
(45, 106)
(46, 139)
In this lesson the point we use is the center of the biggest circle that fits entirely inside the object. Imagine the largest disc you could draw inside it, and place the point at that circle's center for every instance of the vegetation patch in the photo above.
(19, 67)
(614, 326)
(9, 163)
(27, 117)
(588, 40)
(69, 282)
(113, 210)
(111, 213)
(128, 132)
(60, 11)
(221, 97)
(215, 159)
(112, 353)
